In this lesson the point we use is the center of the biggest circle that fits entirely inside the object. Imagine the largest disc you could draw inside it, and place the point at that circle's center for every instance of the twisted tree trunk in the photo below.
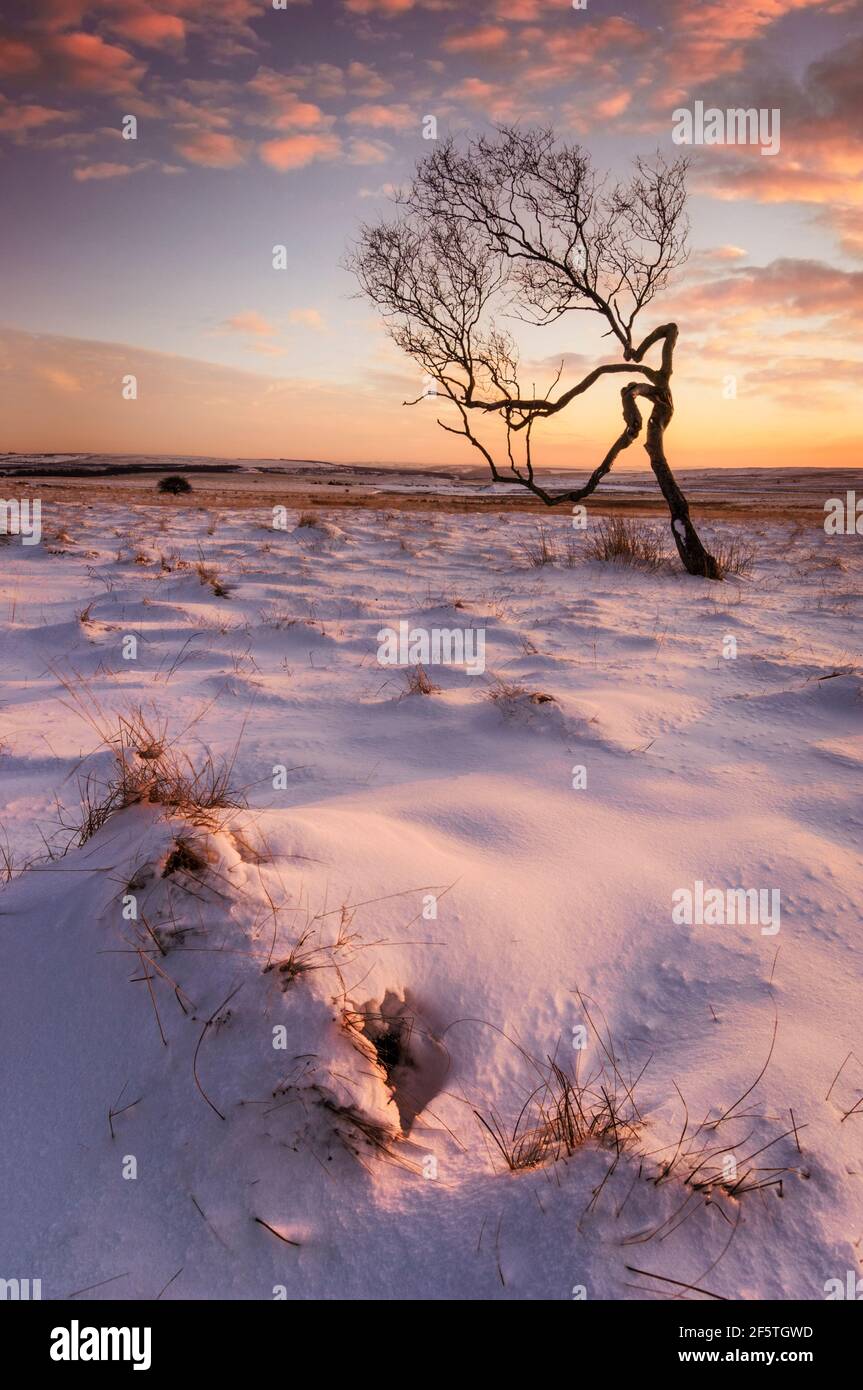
(695, 559)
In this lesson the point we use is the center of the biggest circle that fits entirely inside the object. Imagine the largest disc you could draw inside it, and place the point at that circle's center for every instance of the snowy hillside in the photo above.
(321, 947)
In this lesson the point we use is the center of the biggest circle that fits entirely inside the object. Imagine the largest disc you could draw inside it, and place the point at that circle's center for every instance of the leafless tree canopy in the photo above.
(519, 226)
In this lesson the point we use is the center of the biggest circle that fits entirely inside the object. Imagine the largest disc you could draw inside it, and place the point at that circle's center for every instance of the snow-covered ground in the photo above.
(192, 1014)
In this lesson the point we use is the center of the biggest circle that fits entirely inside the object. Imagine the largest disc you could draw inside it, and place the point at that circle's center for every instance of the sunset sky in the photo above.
(259, 126)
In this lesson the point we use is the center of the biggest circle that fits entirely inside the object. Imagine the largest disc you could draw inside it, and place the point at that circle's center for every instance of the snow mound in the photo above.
(319, 533)
(240, 1016)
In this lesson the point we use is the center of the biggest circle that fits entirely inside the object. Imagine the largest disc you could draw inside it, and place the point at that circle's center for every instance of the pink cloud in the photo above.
(366, 82)
(299, 115)
(388, 8)
(527, 11)
(568, 47)
(812, 181)
(62, 14)
(297, 151)
(148, 27)
(212, 149)
(86, 61)
(383, 117)
(250, 321)
(712, 39)
(191, 115)
(486, 36)
(822, 142)
(309, 318)
(368, 151)
(268, 349)
(19, 120)
(847, 225)
(613, 106)
(378, 6)
(284, 109)
(787, 287)
(18, 58)
(322, 80)
(498, 100)
(107, 170)
(59, 378)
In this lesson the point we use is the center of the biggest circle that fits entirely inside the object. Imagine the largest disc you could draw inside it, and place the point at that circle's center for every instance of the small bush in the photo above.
(627, 542)
(174, 483)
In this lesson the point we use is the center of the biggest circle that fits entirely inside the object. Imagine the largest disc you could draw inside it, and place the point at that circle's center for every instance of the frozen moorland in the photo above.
(317, 985)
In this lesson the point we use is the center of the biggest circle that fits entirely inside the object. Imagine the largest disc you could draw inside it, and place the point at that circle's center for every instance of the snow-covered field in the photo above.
(284, 1024)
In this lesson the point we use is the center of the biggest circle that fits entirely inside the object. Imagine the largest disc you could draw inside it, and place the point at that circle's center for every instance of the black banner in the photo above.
(620, 1338)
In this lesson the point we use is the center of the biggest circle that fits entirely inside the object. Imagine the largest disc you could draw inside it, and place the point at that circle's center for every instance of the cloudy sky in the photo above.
(259, 126)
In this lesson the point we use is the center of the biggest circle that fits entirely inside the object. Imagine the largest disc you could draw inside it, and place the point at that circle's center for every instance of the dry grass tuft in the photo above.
(419, 682)
(840, 668)
(171, 561)
(814, 560)
(561, 1115)
(7, 862)
(209, 575)
(547, 550)
(354, 1130)
(733, 557)
(541, 550)
(308, 519)
(626, 542)
(310, 952)
(505, 690)
(146, 735)
(276, 616)
(150, 770)
(508, 692)
(711, 1164)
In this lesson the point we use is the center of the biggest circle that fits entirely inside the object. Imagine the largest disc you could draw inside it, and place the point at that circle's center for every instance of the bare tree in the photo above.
(519, 225)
